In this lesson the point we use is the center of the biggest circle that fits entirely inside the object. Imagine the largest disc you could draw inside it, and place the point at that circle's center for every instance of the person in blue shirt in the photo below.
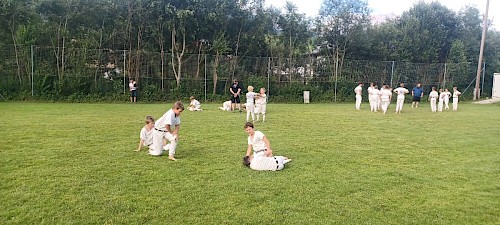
(417, 93)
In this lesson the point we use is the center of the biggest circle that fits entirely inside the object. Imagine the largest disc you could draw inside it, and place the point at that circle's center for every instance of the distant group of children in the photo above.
(380, 99)
(256, 103)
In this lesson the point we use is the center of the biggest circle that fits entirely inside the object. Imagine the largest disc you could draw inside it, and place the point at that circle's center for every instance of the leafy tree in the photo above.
(384, 41)
(220, 46)
(158, 28)
(294, 34)
(338, 22)
(57, 14)
(14, 13)
(457, 67)
(427, 31)
(469, 31)
(180, 13)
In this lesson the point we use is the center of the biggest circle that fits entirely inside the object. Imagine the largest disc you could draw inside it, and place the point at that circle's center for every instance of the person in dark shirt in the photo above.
(235, 90)
(417, 93)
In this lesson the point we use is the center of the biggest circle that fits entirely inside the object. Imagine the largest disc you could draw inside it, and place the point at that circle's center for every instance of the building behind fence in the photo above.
(103, 74)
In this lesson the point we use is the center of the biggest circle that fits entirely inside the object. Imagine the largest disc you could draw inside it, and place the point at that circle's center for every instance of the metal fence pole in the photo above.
(268, 75)
(336, 76)
(32, 69)
(392, 72)
(444, 75)
(205, 77)
(162, 69)
(124, 68)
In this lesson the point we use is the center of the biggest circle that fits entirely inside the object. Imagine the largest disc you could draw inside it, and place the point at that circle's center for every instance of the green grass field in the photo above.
(75, 164)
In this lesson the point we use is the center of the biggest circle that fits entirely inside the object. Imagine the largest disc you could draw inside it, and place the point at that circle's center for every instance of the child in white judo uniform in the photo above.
(257, 142)
(261, 104)
(374, 95)
(456, 93)
(441, 100)
(250, 105)
(226, 106)
(358, 90)
(167, 127)
(262, 157)
(195, 105)
(401, 91)
(264, 163)
(369, 90)
(433, 96)
(385, 98)
(146, 135)
(447, 98)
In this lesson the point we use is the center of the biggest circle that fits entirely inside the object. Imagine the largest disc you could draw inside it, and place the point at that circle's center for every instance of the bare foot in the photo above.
(172, 158)
(137, 150)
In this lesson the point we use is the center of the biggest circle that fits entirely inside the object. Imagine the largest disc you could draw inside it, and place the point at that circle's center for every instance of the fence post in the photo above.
(124, 69)
(205, 77)
(268, 75)
(392, 72)
(162, 69)
(336, 76)
(444, 75)
(32, 70)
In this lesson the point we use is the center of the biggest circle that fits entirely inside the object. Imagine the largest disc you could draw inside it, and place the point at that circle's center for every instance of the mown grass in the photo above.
(75, 164)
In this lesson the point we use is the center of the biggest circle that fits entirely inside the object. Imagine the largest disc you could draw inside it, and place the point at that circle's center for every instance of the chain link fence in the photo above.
(73, 74)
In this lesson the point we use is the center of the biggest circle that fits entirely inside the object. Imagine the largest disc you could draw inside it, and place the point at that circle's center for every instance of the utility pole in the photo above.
(481, 50)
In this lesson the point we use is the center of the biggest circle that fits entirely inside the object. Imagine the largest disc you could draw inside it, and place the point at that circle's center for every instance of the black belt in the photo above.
(164, 131)
(263, 150)
(277, 163)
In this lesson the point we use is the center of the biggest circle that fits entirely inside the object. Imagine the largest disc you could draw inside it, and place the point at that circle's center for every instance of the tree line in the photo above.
(233, 29)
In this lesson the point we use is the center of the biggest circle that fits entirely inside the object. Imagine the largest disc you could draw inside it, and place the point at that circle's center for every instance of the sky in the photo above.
(397, 7)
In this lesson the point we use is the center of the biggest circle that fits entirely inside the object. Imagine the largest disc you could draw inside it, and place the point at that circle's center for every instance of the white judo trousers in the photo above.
(250, 110)
(433, 105)
(373, 102)
(358, 101)
(260, 109)
(158, 137)
(455, 103)
(446, 102)
(385, 104)
(440, 105)
(399, 103)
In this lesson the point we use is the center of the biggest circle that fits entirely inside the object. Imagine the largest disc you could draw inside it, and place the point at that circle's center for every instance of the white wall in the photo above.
(496, 86)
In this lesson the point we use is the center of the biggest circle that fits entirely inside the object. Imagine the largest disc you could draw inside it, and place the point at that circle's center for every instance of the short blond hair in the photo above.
(150, 119)
(250, 88)
(178, 105)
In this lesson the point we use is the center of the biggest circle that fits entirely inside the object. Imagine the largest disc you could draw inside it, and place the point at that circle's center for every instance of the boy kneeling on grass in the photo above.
(263, 158)
(146, 135)
(167, 127)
